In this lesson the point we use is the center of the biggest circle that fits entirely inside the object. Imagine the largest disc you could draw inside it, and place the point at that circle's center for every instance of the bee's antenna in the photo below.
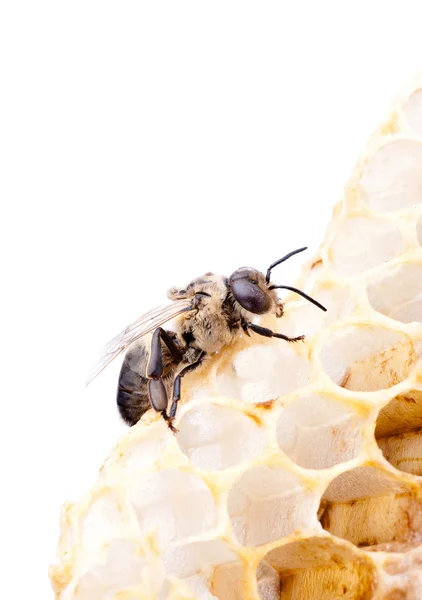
(280, 260)
(292, 289)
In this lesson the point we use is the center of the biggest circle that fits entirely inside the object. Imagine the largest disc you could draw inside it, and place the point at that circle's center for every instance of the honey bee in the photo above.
(214, 311)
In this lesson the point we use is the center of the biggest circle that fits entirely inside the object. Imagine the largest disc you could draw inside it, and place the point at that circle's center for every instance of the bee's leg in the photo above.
(159, 400)
(269, 333)
(155, 364)
(177, 385)
(156, 388)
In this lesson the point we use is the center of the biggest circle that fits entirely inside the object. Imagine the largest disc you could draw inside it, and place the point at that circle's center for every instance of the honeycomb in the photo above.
(296, 472)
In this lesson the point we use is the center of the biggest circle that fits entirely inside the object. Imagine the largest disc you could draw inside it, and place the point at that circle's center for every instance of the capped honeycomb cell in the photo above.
(107, 518)
(264, 372)
(412, 110)
(296, 470)
(330, 428)
(173, 504)
(306, 319)
(419, 229)
(397, 292)
(392, 178)
(228, 581)
(143, 452)
(379, 241)
(206, 436)
(268, 503)
(192, 562)
(122, 569)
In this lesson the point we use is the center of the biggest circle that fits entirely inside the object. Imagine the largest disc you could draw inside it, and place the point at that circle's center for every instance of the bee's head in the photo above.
(251, 291)
(256, 294)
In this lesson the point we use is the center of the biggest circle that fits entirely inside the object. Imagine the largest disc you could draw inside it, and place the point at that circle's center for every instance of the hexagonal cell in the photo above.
(399, 432)
(372, 509)
(173, 504)
(268, 503)
(364, 242)
(402, 415)
(419, 230)
(303, 318)
(264, 372)
(228, 581)
(397, 292)
(391, 180)
(317, 432)
(406, 571)
(413, 111)
(107, 518)
(199, 564)
(320, 568)
(206, 436)
(123, 568)
(144, 452)
(367, 357)
(403, 451)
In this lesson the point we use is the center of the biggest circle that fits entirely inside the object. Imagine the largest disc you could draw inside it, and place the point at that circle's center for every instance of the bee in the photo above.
(214, 312)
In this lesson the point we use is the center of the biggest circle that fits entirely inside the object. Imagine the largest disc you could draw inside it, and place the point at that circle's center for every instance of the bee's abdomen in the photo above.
(132, 391)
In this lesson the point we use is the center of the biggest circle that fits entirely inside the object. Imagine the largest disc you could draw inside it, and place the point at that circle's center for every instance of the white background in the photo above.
(143, 144)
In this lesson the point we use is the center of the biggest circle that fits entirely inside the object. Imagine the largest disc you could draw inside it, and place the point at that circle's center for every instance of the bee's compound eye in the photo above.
(243, 273)
(244, 287)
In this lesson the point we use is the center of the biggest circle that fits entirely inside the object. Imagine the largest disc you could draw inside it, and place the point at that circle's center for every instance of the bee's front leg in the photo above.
(271, 334)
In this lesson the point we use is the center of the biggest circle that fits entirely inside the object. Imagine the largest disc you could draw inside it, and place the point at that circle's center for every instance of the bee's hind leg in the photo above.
(177, 386)
(156, 389)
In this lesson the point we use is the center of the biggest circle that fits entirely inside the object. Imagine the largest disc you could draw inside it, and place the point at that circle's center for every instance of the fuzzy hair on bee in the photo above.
(213, 312)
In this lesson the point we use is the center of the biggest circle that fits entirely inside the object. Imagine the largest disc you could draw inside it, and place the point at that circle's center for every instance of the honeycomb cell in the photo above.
(367, 357)
(187, 560)
(206, 436)
(318, 432)
(265, 372)
(106, 519)
(372, 509)
(306, 319)
(391, 180)
(413, 111)
(402, 415)
(403, 451)
(199, 587)
(144, 452)
(379, 241)
(419, 230)
(173, 504)
(267, 503)
(123, 568)
(397, 292)
(399, 432)
(321, 568)
(406, 569)
(228, 581)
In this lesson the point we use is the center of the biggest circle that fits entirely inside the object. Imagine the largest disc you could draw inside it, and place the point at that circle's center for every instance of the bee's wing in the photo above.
(148, 322)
